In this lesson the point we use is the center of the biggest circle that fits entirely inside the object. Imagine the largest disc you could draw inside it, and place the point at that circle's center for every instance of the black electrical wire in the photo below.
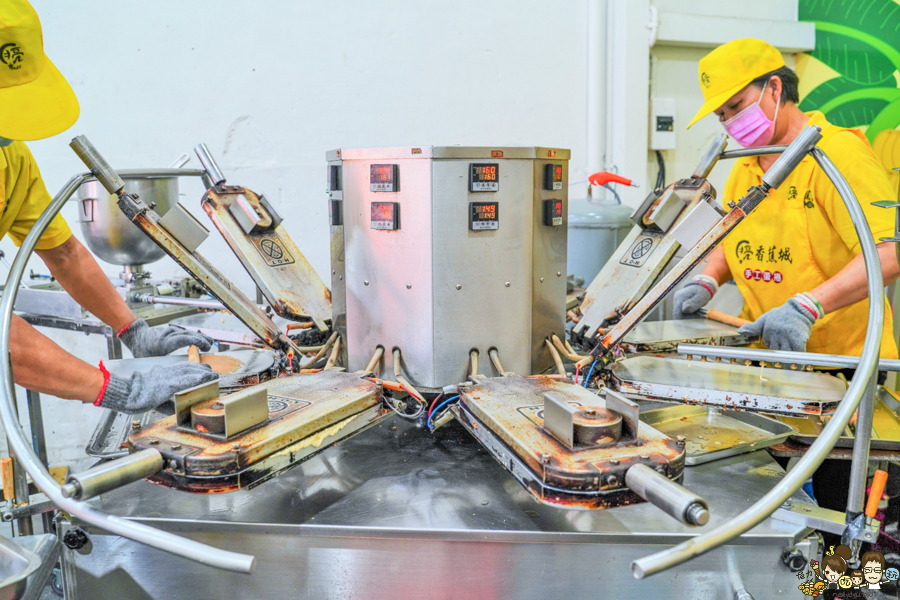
(661, 176)
(613, 190)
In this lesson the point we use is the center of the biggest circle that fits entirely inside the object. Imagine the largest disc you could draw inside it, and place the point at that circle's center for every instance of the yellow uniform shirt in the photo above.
(801, 236)
(24, 198)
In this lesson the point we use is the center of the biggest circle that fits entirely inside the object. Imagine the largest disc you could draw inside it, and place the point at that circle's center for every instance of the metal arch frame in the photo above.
(186, 548)
(861, 385)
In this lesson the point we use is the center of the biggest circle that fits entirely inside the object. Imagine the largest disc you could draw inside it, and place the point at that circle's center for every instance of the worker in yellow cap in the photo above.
(796, 258)
(36, 102)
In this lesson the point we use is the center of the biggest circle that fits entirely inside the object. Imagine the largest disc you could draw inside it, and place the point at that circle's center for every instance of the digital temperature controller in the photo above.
(553, 177)
(384, 178)
(553, 213)
(484, 215)
(385, 215)
(484, 177)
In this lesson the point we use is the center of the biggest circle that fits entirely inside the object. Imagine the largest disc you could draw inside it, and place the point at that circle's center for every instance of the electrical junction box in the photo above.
(456, 257)
(662, 123)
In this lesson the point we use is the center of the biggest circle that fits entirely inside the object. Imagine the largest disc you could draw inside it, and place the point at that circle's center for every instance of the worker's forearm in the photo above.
(42, 366)
(77, 271)
(717, 267)
(849, 285)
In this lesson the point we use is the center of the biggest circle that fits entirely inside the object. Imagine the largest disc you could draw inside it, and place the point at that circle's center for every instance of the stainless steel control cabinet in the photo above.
(431, 268)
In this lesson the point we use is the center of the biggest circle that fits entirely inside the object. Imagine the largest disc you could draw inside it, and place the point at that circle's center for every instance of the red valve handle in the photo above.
(604, 177)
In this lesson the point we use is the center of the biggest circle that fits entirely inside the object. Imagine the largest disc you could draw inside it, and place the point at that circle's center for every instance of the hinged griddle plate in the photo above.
(149, 221)
(730, 386)
(254, 231)
(505, 415)
(636, 263)
(306, 414)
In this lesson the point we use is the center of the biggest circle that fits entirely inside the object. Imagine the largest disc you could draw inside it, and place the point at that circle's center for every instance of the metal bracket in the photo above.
(559, 419)
(185, 399)
(824, 519)
(629, 409)
(245, 409)
(39, 504)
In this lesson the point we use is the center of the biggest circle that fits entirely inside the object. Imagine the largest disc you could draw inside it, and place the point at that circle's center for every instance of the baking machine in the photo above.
(442, 255)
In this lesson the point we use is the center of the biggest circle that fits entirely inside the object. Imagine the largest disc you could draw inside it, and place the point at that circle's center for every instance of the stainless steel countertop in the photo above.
(396, 480)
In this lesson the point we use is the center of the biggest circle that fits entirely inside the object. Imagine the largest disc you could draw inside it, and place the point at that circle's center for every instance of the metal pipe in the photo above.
(473, 363)
(798, 149)
(209, 164)
(113, 474)
(379, 352)
(39, 443)
(817, 452)
(859, 463)
(784, 357)
(335, 352)
(711, 157)
(560, 367)
(144, 173)
(665, 494)
(138, 532)
(760, 151)
(98, 165)
(176, 301)
(322, 350)
(564, 350)
(495, 359)
(398, 375)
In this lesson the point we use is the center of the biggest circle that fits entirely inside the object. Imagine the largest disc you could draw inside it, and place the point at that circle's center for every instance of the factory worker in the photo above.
(796, 258)
(36, 102)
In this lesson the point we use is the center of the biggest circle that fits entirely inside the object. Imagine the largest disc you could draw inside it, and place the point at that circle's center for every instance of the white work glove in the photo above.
(788, 326)
(144, 341)
(145, 391)
(694, 296)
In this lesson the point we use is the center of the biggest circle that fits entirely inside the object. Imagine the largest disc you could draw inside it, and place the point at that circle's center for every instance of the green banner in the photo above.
(853, 75)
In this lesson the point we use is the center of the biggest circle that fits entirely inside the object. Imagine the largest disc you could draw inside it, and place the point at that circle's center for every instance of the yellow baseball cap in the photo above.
(35, 99)
(730, 68)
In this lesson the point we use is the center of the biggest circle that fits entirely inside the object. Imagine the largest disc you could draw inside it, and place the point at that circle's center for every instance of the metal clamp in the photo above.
(824, 519)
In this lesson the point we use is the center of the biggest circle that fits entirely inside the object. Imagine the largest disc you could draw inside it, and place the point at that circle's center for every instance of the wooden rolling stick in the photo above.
(6, 473)
(714, 315)
(193, 354)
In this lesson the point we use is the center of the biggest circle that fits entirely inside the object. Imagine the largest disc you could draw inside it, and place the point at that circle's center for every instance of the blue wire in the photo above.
(438, 408)
(591, 372)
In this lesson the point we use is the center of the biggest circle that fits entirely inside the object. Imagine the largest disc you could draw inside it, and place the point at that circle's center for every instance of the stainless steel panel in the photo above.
(395, 513)
(16, 564)
(493, 305)
(48, 299)
(733, 386)
(549, 256)
(381, 309)
(338, 272)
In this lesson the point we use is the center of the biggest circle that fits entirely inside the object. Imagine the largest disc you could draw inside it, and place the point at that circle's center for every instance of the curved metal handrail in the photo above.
(186, 548)
(817, 452)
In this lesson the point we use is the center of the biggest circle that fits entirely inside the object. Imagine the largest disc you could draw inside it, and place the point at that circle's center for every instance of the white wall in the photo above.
(271, 85)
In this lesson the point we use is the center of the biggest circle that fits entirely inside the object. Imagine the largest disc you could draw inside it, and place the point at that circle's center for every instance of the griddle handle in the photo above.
(104, 173)
(216, 177)
(113, 474)
(665, 494)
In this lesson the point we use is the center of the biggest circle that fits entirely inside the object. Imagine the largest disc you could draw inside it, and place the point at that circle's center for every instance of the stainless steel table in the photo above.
(396, 513)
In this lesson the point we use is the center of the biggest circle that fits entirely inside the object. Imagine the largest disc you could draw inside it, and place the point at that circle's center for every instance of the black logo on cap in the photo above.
(704, 79)
(11, 56)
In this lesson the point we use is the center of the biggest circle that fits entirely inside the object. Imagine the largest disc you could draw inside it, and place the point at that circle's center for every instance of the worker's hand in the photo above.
(786, 327)
(691, 298)
(144, 341)
(145, 391)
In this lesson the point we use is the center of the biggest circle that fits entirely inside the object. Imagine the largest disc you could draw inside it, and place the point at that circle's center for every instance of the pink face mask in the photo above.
(751, 127)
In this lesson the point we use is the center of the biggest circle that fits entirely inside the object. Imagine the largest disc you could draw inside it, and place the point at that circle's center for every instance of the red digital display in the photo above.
(553, 177)
(385, 215)
(484, 177)
(484, 216)
(383, 178)
(553, 211)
